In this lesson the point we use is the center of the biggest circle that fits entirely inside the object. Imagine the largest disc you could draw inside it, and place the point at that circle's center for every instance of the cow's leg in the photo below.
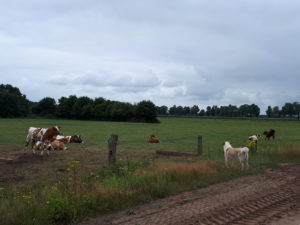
(27, 140)
(226, 160)
(33, 142)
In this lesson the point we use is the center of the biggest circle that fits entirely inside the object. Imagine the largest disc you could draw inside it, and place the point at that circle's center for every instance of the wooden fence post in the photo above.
(200, 145)
(112, 149)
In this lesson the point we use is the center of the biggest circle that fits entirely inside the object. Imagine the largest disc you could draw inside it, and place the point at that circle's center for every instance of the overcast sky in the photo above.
(183, 52)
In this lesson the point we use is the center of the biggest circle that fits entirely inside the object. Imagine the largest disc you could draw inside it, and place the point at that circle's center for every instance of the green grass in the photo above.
(178, 134)
(46, 195)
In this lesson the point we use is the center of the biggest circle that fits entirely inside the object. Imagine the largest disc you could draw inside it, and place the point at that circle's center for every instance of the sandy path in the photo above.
(272, 198)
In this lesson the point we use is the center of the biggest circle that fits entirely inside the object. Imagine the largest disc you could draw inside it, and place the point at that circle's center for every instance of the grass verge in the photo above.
(125, 185)
(75, 196)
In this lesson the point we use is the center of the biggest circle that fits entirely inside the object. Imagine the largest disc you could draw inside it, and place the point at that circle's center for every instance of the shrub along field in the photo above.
(67, 186)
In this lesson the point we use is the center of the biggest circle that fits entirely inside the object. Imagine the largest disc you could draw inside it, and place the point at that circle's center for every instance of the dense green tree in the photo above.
(121, 111)
(179, 111)
(288, 109)
(65, 107)
(254, 110)
(269, 111)
(45, 107)
(202, 112)
(215, 111)
(276, 111)
(172, 110)
(186, 110)
(297, 109)
(80, 104)
(100, 110)
(208, 111)
(162, 110)
(224, 111)
(145, 111)
(13, 103)
(194, 110)
(87, 112)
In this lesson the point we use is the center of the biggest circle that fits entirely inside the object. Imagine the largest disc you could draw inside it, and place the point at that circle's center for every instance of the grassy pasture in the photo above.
(36, 192)
(176, 134)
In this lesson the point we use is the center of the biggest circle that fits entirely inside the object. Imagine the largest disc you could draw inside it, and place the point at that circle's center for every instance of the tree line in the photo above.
(15, 104)
(222, 111)
(245, 110)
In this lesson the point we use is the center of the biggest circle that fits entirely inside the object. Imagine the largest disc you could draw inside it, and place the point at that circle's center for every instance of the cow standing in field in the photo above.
(269, 134)
(40, 137)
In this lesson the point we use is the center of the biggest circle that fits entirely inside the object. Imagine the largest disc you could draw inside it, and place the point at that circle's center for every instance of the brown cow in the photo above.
(153, 139)
(57, 145)
(269, 134)
(50, 133)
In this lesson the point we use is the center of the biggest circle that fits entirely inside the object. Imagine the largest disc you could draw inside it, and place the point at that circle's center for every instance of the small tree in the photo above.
(45, 107)
(65, 107)
(145, 111)
(161, 110)
(194, 110)
(12, 102)
(202, 112)
(276, 111)
(269, 111)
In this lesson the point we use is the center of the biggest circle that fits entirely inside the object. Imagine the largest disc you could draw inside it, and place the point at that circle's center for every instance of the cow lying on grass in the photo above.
(240, 154)
(68, 139)
(57, 145)
(58, 142)
(153, 139)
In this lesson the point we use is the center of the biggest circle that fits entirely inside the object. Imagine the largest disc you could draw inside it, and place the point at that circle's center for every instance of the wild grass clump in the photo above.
(290, 153)
(125, 185)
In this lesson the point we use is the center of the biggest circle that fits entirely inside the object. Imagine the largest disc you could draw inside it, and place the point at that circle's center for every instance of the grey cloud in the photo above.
(174, 52)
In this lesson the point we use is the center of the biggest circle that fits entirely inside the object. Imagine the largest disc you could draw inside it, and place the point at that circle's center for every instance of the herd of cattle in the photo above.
(47, 139)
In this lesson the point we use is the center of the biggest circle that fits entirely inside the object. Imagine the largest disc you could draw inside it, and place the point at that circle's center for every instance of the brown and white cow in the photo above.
(43, 135)
(58, 142)
(69, 139)
(40, 146)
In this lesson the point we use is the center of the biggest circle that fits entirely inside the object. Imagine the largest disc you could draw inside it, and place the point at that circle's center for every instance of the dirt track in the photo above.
(272, 198)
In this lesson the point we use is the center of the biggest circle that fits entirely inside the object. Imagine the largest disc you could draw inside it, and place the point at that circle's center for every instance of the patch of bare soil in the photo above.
(272, 198)
(22, 166)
